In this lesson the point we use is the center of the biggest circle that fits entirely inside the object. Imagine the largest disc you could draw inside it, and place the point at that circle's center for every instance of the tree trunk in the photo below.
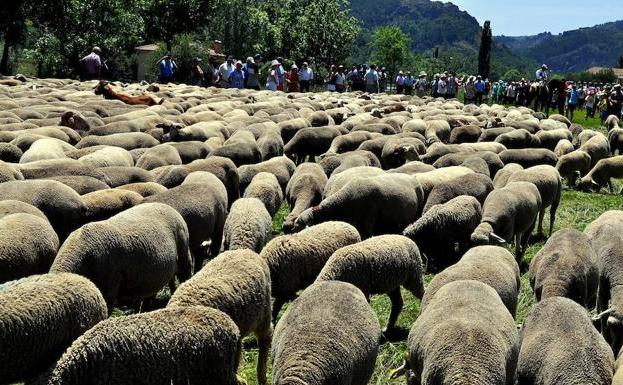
(4, 63)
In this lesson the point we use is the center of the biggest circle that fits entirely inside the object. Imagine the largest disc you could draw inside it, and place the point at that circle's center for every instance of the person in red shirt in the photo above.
(292, 79)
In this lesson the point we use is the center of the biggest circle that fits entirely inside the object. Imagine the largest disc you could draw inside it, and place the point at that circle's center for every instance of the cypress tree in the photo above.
(484, 55)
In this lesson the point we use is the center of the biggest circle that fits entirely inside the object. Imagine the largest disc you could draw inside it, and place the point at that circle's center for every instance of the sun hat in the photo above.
(294, 67)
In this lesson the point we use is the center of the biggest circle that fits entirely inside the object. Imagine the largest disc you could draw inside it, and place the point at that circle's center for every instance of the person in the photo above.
(92, 64)
(434, 86)
(442, 87)
(224, 71)
(382, 80)
(281, 74)
(409, 82)
(167, 68)
(421, 86)
(617, 101)
(272, 81)
(292, 79)
(306, 76)
(350, 77)
(236, 77)
(481, 88)
(400, 82)
(251, 73)
(453, 86)
(572, 101)
(196, 73)
(340, 79)
(209, 73)
(470, 91)
(542, 74)
(331, 78)
(589, 102)
(371, 80)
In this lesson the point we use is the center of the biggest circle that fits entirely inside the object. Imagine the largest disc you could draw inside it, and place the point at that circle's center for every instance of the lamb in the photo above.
(384, 204)
(529, 157)
(158, 156)
(501, 177)
(335, 164)
(185, 345)
(241, 148)
(492, 265)
(443, 226)
(310, 142)
(103, 204)
(281, 167)
(456, 159)
(549, 139)
(248, 225)
(218, 285)
(68, 304)
(549, 183)
(131, 255)
(265, 187)
(565, 267)
(304, 190)
(602, 173)
(574, 164)
(560, 345)
(465, 336)
(81, 184)
(329, 335)
(296, 260)
(597, 147)
(379, 265)
(509, 212)
(128, 141)
(28, 245)
(224, 169)
(563, 147)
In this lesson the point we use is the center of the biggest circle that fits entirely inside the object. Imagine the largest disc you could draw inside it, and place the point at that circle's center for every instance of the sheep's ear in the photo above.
(497, 238)
(395, 373)
(603, 314)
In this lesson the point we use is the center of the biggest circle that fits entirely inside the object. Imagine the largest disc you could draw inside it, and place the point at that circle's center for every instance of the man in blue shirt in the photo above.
(572, 101)
(167, 68)
(236, 77)
(480, 86)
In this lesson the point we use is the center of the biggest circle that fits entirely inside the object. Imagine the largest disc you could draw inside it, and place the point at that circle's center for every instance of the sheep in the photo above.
(549, 139)
(200, 131)
(8, 173)
(265, 187)
(248, 225)
(571, 165)
(289, 128)
(281, 167)
(130, 256)
(304, 190)
(597, 147)
(602, 173)
(144, 189)
(270, 144)
(381, 128)
(241, 148)
(443, 226)
(119, 176)
(559, 345)
(218, 285)
(9, 206)
(48, 148)
(437, 131)
(222, 168)
(615, 140)
(204, 177)
(329, 335)
(350, 141)
(565, 267)
(549, 183)
(398, 151)
(28, 245)
(465, 336)
(411, 168)
(108, 156)
(584, 137)
(383, 204)
(518, 139)
(492, 265)
(103, 204)
(478, 165)
(128, 141)
(62, 206)
(476, 185)
(501, 177)
(509, 212)
(563, 147)
(191, 150)
(296, 260)
(157, 156)
(430, 179)
(10, 153)
(529, 157)
(465, 134)
(437, 150)
(310, 142)
(189, 345)
(67, 304)
(379, 265)
(81, 184)
(456, 159)
(335, 164)
(490, 134)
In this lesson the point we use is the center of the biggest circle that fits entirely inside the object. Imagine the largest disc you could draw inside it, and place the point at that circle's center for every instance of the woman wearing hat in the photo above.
(236, 77)
(196, 73)
(421, 85)
(251, 74)
(292, 79)
(272, 81)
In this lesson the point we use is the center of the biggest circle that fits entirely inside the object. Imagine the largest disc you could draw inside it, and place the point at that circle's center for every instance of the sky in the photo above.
(530, 17)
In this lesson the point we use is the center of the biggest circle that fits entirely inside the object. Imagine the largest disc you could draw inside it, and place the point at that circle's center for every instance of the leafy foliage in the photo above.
(390, 47)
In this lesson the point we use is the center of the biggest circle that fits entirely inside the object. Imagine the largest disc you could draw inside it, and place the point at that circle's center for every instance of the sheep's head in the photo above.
(407, 153)
(75, 120)
(376, 113)
(587, 184)
(288, 224)
(484, 235)
(307, 218)
(169, 128)
(101, 87)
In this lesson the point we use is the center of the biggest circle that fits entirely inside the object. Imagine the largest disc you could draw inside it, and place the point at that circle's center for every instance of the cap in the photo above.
(274, 63)
(305, 63)
(250, 60)
(257, 57)
(422, 73)
(97, 49)
(294, 67)
(230, 57)
(238, 63)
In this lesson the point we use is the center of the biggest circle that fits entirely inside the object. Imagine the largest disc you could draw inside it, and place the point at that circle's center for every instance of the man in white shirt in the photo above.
(371, 79)
(542, 74)
(224, 71)
(306, 76)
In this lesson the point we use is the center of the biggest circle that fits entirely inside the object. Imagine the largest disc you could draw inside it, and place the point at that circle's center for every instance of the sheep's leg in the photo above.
(610, 186)
(277, 305)
(603, 298)
(396, 299)
(517, 250)
(217, 241)
(552, 215)
(540, 228)
(172, 286)
(263, 340)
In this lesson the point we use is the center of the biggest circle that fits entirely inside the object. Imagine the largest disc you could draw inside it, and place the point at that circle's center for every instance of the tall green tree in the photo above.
(390, 47)
(484, 54)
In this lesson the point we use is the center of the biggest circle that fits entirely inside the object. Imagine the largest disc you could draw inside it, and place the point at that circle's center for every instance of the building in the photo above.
(617, 71)
(143, 54)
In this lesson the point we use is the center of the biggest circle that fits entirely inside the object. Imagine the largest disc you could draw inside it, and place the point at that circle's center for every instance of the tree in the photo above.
(620, 61)
(512, 75)
(484, 55)
(390, 47)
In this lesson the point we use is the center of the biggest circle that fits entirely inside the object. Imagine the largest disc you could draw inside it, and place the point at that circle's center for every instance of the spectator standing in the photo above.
(453, 86)
(421, 86)
(292, 79)
(340, 79)
(617, 101)
(371, 80)
(306, 76)
(400, 82)
(481, 88)
(442, 87)
(209, 74)
(470, 91)
(251, 71)
(167, 68)
(572, 101)
(236, 77)
(224, 71)
(281, 75)
(196, 73)
(589, 102)
(409, 82)
(434, 86)
(92, 64)
(272, 81)
(383, 80)
(331, 79)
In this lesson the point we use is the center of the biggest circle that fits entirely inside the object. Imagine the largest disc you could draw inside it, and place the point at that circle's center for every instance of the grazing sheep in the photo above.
(529, 157)
(296, 260)
(108, 157)
(158, 156)
(131, 255)
(501, 177)
(475, 185)
(81, 184)
(379, 265)
(281, 167)
(550, 139)
(350, 141)
(241, 148)
(437, 131)
(411, 168)
(186, 345)
(10, 153)
(8, 173)
(192, 150)
(398, 151)
(128, 141)
(48, 148)
(490, 134)
(248, 225)
(304, 190)
(59, 167)
(337, 181)
(492, 265)
(265, 187)
(465, 336)
(430, 179)
(559, 345)
(218, 285)
(119, 176)
(602, 173)
(335, 164)
(615, 140)
(444, 226)
(384, 204)
(329, 335)
(33, 307)
(144, 189)
(270, 144)
(9, 206)
(456, 159)
(574, 164)
(565, 267)
(437, 150)
(28, 245)
(548, 181)
(563, 147)
(597, 147)
(509, 212)
(103, 204)
(310, 142)
(224, 169)
(518, 139)
(465, 134)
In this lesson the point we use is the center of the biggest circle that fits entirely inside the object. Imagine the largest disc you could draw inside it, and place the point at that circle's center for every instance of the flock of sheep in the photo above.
(104, 204)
